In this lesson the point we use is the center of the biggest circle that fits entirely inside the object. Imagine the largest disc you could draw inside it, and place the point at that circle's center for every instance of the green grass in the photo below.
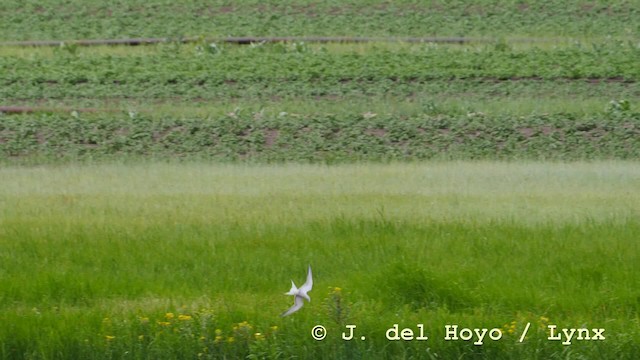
(93, 257)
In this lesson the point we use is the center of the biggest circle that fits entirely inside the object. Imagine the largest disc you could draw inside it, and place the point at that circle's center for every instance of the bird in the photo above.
(299, 294)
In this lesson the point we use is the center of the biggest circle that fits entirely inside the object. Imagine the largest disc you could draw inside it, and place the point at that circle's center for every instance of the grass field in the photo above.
(192, 260)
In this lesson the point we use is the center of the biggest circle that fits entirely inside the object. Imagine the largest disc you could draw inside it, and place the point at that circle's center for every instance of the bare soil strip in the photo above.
(246, 40)
(48, 109)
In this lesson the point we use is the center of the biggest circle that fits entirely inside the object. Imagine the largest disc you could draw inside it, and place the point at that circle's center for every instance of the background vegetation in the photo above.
(301, 102)
(155, 201)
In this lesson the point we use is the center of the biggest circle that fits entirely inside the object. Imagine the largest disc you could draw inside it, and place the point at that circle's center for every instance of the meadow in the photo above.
(157, 200)
(190, 260)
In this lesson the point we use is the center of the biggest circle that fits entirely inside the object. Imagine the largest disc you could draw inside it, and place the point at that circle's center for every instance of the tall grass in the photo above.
(192, 260)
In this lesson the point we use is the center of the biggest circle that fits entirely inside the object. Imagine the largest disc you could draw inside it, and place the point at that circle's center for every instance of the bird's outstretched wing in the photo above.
(307, 284)
(297, 304)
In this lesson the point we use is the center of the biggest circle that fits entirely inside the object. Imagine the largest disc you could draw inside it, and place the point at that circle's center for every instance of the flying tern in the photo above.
(299, 294)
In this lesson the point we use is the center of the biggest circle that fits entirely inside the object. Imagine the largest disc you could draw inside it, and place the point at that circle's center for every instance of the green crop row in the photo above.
(302, 63)
(49, 19)
(285, 70)
(321, 138)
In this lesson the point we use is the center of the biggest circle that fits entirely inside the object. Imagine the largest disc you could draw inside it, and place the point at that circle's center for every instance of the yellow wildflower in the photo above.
(230, 339)
(243, 324)
(243, 329)
(169, 316)
(184, 317)
(258, 336)
(109, 337)
(164, 323)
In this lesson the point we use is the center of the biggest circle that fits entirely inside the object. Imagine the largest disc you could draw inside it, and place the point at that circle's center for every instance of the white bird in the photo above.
(299, 294)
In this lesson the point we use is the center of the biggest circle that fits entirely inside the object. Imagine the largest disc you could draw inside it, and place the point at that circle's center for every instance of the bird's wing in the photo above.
(294, 289)
(297, 304)
(309, 283)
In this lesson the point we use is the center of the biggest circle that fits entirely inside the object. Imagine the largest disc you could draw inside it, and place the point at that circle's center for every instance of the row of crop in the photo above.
(267, 63)
(97, 19)
(88, 94)
(256, 72)
(321, 138)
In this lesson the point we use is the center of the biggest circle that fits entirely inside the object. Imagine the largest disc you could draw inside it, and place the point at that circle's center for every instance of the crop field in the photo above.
(473, 199)
(76, 19)
(283, 102)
